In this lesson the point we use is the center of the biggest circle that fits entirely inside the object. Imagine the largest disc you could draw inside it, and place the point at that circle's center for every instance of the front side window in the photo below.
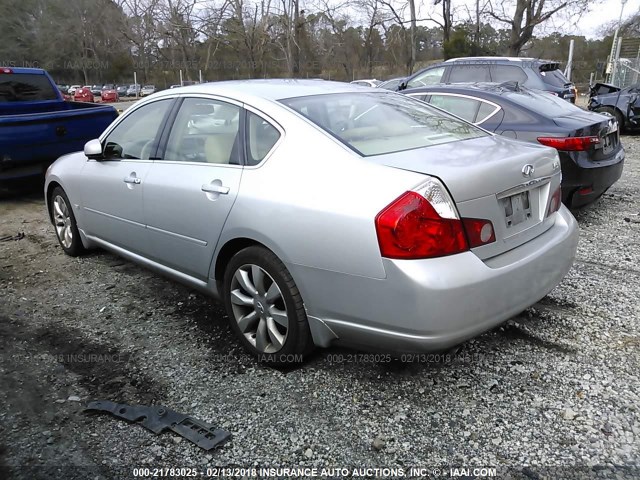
(205, 131)
(428, 77)
(376, 124)
(262, 136)
(136, 136)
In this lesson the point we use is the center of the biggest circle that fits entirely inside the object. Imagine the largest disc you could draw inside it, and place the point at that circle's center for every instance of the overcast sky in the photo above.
(589, 24)
(609, 11)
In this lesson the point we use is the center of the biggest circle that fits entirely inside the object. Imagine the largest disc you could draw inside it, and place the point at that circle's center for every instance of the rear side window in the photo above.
(466, 108)
(262, 137)
(486, 110)
(507, 73)
(25, 87)
(205, 131)
(469, 73)
(554, 77)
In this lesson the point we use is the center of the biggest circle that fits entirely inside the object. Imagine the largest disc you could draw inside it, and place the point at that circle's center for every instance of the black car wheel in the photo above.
(614, 113)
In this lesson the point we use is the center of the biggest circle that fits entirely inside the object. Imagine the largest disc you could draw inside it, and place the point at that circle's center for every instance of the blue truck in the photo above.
(37, 125)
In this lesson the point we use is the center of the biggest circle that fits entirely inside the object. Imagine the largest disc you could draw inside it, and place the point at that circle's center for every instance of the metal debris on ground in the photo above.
(158, 419)
(9, 238)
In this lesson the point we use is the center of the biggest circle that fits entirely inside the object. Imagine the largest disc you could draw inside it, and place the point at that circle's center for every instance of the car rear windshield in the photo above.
(25, 87)
(553, 76)
(543, 103)
(380, 123)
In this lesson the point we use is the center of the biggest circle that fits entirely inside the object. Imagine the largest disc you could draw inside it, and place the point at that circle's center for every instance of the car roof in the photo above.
(270, 89)
(485, 90)
(502, 59)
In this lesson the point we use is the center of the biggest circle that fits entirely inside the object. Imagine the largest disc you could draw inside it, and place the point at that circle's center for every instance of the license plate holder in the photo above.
(608, 143)
(517, 208)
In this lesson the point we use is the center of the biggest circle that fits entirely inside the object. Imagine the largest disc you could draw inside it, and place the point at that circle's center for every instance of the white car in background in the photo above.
(367, 83)
(147, 90)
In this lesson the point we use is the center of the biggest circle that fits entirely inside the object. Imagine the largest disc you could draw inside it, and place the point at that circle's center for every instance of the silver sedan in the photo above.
(322, 213)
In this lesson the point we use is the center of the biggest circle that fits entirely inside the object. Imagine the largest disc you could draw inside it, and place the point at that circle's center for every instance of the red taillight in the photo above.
(569, 143)
(479, 231)
(555, 202)
(410, 228)
(5, 70)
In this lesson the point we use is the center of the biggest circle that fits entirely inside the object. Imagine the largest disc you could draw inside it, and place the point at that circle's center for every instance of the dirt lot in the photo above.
(554, 392)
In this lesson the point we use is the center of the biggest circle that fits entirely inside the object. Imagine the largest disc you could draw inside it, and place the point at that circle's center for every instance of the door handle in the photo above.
(213, 188)
(133, 180)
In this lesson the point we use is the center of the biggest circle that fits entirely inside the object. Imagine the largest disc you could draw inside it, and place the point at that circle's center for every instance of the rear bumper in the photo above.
(433, 304)
(595, 177)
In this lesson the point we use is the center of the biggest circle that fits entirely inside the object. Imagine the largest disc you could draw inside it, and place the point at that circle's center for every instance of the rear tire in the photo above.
(265, 307)
(614, 112)
(64, 221)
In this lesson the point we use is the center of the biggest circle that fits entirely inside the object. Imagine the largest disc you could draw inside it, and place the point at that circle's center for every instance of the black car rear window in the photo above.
(543, 103)
(555, 77)
(25, 87)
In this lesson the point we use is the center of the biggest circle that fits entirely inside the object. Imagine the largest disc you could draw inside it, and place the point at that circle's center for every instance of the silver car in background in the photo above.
(322, 213)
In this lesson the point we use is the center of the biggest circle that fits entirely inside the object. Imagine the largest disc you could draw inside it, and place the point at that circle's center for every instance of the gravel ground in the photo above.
(553, 392)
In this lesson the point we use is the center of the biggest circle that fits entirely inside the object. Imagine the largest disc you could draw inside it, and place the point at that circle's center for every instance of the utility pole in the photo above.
(567, 71)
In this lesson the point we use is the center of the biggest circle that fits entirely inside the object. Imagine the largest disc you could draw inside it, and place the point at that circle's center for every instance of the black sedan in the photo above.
(588, 143)
(624, 104)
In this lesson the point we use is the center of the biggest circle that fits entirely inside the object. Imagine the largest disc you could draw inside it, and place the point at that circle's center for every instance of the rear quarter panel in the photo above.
(314, 202)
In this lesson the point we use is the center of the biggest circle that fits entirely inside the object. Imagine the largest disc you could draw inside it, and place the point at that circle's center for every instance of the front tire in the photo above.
(64, 221)
(614, 113)
(265, 307)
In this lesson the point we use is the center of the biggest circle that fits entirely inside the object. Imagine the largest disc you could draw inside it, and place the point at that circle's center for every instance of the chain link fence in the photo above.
(623, 69)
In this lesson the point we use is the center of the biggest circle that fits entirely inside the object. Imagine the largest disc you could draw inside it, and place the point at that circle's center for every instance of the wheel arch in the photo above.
(321, 334)
(615, 109)
(49, 193)
(228, 250)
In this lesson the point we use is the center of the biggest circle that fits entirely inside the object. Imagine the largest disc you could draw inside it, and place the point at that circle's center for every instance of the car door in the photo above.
(191, 188)
(111, 188)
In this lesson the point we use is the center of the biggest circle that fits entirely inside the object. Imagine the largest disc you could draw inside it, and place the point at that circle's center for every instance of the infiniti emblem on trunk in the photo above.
(528, 170)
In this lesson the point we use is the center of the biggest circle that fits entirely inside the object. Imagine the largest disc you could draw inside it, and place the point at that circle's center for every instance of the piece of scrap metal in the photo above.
(10, 238)
(158, 419)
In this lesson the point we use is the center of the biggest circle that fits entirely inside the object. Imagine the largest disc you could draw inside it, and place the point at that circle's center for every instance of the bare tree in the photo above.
(446, 18)
(529, 14)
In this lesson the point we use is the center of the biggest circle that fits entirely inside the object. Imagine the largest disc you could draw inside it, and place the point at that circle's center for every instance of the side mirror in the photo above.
(93, 149)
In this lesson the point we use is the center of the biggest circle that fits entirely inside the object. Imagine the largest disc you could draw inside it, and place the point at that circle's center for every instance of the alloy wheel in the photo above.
(259, 308)
(62, 221)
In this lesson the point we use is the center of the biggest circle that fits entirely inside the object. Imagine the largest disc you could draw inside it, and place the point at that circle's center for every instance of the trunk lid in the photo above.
(493, 178)
(589, 124)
